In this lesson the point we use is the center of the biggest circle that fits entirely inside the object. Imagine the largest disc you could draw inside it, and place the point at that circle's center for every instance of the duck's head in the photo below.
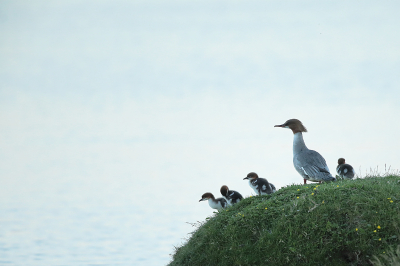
(251, 176)
(224, 191)
(341, 161)
(206, 196)
(295, 125)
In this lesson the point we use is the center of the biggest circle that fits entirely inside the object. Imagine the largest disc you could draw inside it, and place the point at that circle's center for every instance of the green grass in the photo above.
(338, 223)
(391, 258)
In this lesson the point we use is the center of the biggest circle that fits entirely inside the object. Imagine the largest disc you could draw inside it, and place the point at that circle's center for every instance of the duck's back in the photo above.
(345, 171)
(234, 197)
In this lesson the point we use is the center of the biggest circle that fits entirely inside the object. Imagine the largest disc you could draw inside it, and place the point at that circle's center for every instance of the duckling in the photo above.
(231, 196)
(214, 203)
(260, 185)
(345, 171)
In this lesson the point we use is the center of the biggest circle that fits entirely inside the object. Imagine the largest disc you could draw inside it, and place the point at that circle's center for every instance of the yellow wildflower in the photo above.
(391, 201)
(356, 229)
(389, 198)
(297, 197)
(323, 201)
(298, 190)
(374, 231)
(312, 193)
(378, 227)
(266, 208)
(315, 188)
(379, 239)
(337, 185)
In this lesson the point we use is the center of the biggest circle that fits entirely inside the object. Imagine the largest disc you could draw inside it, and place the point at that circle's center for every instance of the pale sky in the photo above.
(182, 96)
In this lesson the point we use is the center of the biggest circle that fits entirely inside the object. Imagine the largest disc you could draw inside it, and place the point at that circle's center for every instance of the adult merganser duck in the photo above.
(214, 203)
(260, 185)
(231, 196)
(308, 163)
(345, 171)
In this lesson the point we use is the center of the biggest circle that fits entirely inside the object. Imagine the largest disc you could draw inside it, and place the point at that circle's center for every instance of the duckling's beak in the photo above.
(246, 178)
(278, 125)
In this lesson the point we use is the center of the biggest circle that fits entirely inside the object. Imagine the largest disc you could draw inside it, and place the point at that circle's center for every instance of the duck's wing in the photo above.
(223, 202)
(348, 171)
(339, 170)
(256, 185)
(235, 195)
(265, 186)
(311, 164)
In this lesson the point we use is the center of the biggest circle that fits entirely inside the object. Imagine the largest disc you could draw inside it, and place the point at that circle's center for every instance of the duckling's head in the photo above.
(251, 176)
(206, 196)
(341, 161)
(224, 191)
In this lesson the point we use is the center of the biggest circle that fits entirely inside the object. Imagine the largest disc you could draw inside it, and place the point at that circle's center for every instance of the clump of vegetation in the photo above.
(392, 258)
(346, 222)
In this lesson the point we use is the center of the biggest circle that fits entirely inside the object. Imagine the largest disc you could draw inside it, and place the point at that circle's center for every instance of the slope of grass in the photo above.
(338, 223)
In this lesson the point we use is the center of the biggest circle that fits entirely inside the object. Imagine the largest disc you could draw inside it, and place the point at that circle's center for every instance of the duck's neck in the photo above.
(298, 143)
(210, 200)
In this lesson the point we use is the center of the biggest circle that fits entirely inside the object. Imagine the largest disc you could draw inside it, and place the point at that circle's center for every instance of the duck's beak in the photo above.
(246, 178)
(279, 125)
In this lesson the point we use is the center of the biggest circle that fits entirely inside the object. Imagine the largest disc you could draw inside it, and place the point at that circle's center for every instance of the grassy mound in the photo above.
(338, 223)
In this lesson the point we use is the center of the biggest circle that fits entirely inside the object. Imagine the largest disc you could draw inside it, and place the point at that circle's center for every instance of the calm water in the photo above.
(92, 223)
